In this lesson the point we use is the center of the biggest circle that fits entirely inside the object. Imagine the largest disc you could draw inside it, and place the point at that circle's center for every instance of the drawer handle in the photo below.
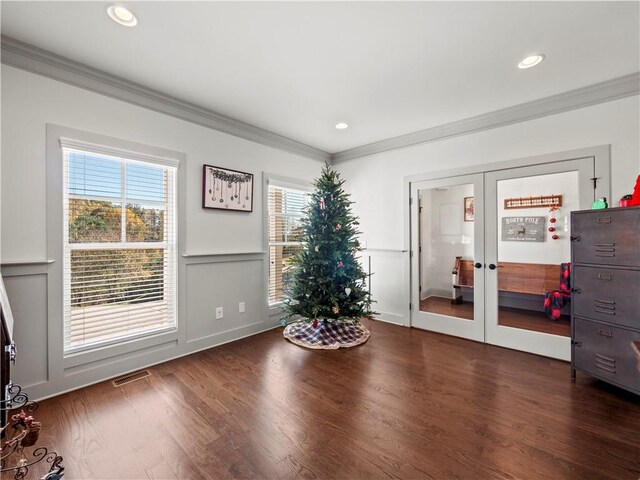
(604, 219)
(605, 333)
(605, 254)
(603, 249)
(605, 244)
(604, 276)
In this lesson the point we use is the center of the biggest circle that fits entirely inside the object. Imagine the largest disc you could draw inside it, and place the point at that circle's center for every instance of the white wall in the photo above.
(29, 102)
(382, 216)
(550, 251)
(444, 236)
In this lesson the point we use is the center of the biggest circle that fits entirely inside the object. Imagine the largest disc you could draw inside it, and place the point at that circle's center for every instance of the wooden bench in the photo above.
(529, 278)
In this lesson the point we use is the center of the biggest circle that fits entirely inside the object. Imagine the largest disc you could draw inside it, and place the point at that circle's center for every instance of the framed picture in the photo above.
(227, 189)
(469, 209)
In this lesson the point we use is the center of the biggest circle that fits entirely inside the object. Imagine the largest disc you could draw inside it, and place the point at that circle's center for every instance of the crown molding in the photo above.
(42, 62)
(609, 90)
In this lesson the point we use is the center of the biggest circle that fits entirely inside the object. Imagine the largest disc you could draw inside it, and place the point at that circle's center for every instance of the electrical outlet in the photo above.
(241, 307)
(219, 313)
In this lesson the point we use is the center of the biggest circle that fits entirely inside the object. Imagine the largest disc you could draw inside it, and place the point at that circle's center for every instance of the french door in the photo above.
(448, 217)
(487, 247)
(527, 245)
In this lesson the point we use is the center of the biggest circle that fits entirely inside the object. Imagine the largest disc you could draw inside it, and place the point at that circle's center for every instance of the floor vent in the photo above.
(131, 377)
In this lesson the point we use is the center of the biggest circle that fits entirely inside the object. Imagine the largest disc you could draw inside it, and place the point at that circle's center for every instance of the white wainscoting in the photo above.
(26, 285)
(388, 283)
(208, 281)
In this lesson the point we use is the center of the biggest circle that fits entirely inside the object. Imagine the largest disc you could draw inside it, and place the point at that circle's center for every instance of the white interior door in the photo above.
(522, 255)
(447, 221)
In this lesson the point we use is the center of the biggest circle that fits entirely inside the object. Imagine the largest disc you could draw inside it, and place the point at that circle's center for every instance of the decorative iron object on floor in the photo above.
(326, 335)
(20, 433)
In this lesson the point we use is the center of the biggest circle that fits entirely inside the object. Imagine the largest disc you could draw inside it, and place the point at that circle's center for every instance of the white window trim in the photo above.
(60, 364)
(170, 276)
(284, 182)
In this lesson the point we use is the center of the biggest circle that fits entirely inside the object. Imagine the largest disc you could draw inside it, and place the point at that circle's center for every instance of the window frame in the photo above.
(59, 363)
(168, 245)
(284, 182)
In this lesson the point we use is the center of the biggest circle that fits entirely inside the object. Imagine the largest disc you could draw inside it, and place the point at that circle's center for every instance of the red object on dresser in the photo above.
(635, 197)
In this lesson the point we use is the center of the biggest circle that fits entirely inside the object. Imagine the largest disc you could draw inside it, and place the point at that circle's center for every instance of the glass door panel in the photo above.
(447, 237)
(528, 254)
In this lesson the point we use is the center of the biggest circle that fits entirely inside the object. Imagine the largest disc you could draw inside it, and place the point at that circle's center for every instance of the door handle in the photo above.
(493, 266)
(478, 265)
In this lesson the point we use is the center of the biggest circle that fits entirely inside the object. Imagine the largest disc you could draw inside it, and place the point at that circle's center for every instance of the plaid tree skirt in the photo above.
(327, 335)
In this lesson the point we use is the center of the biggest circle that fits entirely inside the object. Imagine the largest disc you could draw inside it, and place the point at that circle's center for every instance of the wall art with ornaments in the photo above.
(227, 189)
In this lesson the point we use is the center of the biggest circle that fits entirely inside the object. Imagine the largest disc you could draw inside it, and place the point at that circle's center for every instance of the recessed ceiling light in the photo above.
(531, 61)
(122, 15)
(341, 126)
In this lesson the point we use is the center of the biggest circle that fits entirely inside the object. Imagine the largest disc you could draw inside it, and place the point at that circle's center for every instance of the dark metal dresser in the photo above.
(605, 303)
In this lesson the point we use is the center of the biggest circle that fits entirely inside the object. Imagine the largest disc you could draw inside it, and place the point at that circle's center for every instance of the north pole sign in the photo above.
(523, 229)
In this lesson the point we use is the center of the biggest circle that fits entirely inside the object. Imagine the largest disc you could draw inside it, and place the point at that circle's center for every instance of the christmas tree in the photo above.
(328, 282)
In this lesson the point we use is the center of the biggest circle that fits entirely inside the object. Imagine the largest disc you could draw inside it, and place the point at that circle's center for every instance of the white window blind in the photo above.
(119, 248)
(286, 209)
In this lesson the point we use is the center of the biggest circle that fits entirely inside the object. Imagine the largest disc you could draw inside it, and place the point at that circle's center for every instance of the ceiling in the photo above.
(385, 68)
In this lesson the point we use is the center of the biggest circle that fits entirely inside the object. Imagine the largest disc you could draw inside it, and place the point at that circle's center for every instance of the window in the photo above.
(286, 207)
(119, 247)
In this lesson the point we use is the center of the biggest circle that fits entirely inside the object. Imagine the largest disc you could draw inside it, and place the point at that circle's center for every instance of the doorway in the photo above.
(488, 249)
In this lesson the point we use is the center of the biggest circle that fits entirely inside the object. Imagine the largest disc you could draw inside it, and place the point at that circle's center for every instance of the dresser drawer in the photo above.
(606, 351)
(606, 237)
(607, 294)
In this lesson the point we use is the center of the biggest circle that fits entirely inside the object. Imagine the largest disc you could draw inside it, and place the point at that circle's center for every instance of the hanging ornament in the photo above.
(317, 249)
(338, 227)
(552, 221)
(315, 322)
(336, 310)
(347, 291)
(340, 264)
(323, 205)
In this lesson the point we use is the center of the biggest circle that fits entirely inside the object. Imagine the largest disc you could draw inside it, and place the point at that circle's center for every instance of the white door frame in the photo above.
(602, 164)
(450, 325)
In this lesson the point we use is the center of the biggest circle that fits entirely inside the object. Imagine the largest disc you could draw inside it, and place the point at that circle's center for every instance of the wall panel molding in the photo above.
(42, 62)
(18, 269)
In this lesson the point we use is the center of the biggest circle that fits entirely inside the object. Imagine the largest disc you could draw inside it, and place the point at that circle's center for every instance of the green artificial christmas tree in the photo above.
(328, 283)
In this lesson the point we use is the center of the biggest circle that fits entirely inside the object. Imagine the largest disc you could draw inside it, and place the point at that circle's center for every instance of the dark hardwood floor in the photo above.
(407, 404)
(508, 317)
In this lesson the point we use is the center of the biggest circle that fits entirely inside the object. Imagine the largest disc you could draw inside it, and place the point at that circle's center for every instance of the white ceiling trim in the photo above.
(36, 60)
(597, 93)
(609, 90)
